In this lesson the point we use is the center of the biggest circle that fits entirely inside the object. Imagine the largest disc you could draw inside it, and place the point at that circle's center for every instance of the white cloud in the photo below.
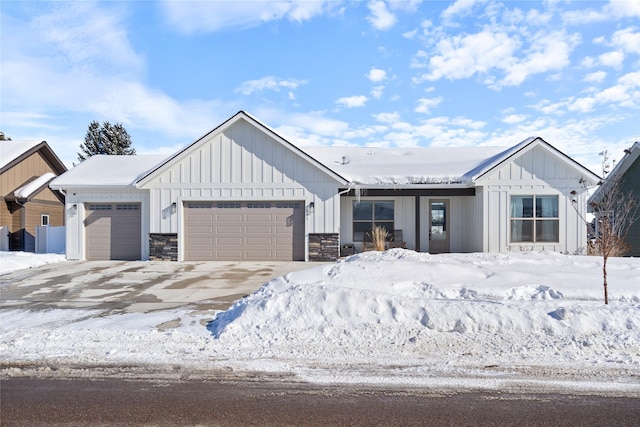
(377, 75)
(353, 101)
(615, 9)
(387, 117)
(624, 94)
(582, 105)
(597, 77)
(426, 104)
(311, 128)
(547, 52)
(461, 57)
(365, 132)
(513, 118)
(627, 39)
(376, 92)
(410, 35)
(76, 58)
(86, 36)
(630, 79)
(488, 52)
(207, 16)
(381, 18)
(612, 59)
(460, 7)
(623, 9)
(268, 83)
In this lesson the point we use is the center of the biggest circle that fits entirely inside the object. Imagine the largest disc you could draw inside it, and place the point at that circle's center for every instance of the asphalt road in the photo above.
(117, 402)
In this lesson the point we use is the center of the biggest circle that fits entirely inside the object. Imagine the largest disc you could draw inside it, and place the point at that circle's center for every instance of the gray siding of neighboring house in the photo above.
(631, 184)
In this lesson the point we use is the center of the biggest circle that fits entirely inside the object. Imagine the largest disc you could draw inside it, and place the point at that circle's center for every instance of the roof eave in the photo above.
(50, 157)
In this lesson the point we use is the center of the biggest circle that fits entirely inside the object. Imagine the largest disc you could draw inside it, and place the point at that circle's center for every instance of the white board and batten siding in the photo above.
(536, 172)
(82, 232)
(241, 163)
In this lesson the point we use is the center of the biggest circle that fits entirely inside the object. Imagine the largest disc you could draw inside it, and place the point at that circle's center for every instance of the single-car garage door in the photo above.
(253, 231)
(113, 231)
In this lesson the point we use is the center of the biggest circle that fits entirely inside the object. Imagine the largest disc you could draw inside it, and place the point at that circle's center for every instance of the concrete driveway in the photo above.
(138, 286)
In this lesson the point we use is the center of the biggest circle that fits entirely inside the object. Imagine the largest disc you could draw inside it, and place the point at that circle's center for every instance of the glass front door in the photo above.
(438, 226)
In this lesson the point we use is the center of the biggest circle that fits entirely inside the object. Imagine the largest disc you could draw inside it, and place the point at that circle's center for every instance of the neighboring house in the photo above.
(26, 168)
(626, 174)
(243, 192)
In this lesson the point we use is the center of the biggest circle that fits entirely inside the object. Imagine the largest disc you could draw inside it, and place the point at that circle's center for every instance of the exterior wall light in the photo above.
(74, 209)
(312, 208)
(174, 207)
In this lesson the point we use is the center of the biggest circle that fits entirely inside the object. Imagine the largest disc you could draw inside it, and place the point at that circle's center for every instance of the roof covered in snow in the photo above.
(414, 165)
(33, 187)
(11, 150)
(106, 170)
(14, 152)
(372, 166)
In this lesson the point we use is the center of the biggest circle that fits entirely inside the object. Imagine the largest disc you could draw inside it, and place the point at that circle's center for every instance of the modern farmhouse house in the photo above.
(242, 192)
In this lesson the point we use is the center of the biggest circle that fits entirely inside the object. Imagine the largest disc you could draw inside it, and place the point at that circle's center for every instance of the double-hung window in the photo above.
(534, 219)
(368, 214)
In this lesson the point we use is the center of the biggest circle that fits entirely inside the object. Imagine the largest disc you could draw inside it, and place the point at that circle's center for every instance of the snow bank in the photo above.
(396, 317)
(526, 308)
(12, 261)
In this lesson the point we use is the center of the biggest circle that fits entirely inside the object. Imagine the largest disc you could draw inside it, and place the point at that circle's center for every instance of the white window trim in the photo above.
(534, 219)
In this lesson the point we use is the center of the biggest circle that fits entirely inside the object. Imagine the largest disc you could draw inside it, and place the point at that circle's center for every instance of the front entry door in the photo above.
(438, 226)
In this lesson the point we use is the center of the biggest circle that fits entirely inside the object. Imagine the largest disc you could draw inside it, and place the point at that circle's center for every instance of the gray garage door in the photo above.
(255, 231)
(113, 231)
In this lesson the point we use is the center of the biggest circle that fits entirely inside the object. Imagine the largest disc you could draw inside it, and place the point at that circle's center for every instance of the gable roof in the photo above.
(13, 152)
(529, 143)
(631, 156)
(240, 115)
(107, 170)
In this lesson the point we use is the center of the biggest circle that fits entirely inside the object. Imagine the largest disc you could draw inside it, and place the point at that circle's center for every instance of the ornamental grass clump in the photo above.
(379, 236)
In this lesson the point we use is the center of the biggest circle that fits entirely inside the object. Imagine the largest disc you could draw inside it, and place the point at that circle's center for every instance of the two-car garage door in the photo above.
(253, 231)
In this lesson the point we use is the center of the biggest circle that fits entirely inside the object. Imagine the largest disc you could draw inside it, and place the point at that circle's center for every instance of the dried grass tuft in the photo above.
(379, 235)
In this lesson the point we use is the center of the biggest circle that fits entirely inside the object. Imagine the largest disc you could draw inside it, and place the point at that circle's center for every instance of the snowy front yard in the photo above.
(453, 321)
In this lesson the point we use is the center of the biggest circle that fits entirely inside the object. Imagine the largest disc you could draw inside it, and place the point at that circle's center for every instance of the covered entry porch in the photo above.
(427, 220)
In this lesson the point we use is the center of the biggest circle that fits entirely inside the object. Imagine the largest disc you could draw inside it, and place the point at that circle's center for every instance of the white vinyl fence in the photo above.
(4, 238)
(50, 240)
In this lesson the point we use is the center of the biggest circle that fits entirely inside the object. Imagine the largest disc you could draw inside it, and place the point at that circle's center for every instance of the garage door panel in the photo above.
(259, 219)
(113, 231)
(228, 218)
(245, 231)
(229, 229)
(202, 241)
(229, 241)
(265, 229)
(266, 241)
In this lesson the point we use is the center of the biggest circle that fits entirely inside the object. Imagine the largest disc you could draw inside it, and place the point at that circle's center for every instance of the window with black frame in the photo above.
(368, 214)
(534, 219)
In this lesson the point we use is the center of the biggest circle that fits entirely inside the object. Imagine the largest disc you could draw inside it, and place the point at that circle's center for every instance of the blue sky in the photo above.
(383, 73)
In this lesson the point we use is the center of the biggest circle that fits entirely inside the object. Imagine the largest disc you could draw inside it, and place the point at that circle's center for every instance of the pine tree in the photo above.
(3, 137)
(105, 139)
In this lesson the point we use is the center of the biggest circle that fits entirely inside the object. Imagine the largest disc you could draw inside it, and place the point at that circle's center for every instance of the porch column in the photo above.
(417, 223)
